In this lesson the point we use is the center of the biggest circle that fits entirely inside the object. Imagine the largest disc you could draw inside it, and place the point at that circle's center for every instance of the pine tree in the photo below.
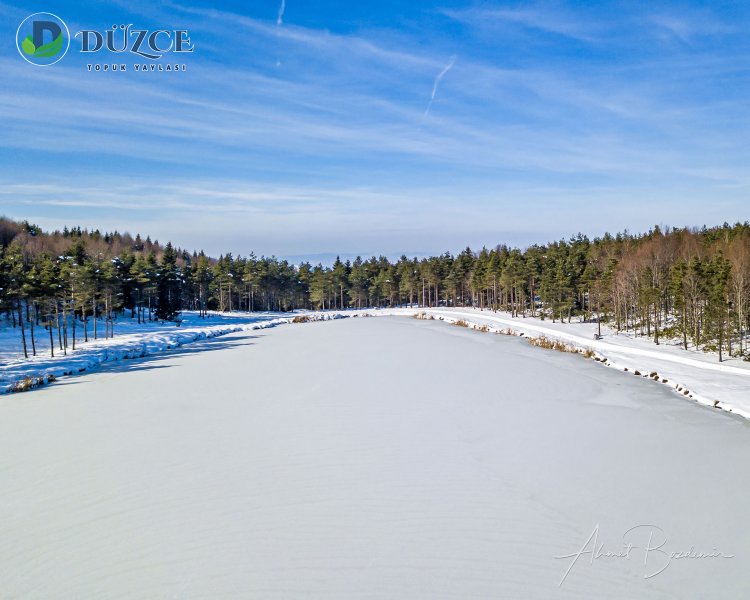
(47, 291)
(688, 283)
(358, 283)
(168, 286)
(319, 287)
(340, 281)
(15, 279)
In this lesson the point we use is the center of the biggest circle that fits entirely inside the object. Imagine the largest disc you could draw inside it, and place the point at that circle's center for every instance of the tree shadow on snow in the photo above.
(157, 360)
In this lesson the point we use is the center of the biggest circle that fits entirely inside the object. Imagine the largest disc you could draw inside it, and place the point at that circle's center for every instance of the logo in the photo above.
(142, 42)
(42, 39)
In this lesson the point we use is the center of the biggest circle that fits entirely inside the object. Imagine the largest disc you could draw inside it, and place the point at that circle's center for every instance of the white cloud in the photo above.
(577, 27)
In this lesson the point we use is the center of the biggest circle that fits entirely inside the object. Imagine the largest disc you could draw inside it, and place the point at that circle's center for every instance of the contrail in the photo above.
(438, 79)
(280, 19)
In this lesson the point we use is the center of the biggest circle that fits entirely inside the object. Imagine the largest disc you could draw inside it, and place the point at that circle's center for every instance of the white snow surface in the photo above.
(366, 459)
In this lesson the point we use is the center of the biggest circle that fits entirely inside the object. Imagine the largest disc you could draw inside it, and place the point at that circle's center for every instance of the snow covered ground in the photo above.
(368, 459)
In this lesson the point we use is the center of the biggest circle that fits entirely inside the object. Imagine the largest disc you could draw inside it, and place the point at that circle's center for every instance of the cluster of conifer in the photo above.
(684, 283)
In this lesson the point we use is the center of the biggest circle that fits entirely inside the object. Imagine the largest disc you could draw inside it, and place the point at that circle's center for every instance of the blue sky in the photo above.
(313, 136)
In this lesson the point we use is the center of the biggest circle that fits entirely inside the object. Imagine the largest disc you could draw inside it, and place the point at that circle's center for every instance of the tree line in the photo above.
(686, 284)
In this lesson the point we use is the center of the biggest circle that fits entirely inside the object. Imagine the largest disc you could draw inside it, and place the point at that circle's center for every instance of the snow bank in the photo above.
(694, 375)
(19, 374)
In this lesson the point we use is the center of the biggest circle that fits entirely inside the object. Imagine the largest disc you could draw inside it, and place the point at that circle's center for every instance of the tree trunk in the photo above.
(51, 339)
(684, 328)
(65, 328)
(23, 330)
(72, 298)
(33, 339)
(57, 323)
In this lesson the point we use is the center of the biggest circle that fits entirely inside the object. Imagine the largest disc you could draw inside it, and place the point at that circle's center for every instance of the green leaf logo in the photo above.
(28, 46)
(49, 49)
(42, 39)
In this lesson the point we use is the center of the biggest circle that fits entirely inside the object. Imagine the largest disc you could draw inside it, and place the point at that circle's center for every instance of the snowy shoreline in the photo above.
(21, 375)
(693, 375)
(690, 374)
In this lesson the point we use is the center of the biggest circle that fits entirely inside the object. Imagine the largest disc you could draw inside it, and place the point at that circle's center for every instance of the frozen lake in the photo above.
(369, 458)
